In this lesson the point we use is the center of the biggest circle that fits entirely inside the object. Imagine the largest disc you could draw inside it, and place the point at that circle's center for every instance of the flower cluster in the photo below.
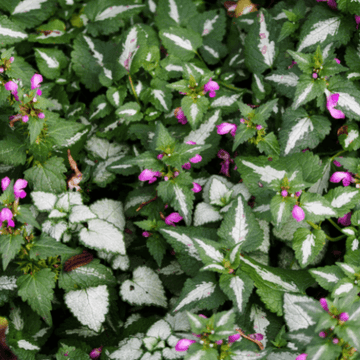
(225, 164)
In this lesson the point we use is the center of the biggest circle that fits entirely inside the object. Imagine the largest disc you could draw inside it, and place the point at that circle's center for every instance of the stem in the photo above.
(337, 154)
(335, 239)
(316, 227)
(332, 222)
(233, 87)
(200, 57)
(147, 202)
(133, 89)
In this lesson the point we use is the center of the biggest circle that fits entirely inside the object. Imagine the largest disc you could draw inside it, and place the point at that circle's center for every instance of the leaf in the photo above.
(281, 209)
(102, 235)
(48, 176)
(343, 199)
(284, 82)
(299, 130)
(182, 43)
(145, 288)
(316, 207)
(307, 245)
(157, 248)
(37, 290)
(327, 350)
(240, 227)
(50, 62)
(10, 32)
(213, 50)
(80, 213)
(12, 151)
(269, 145)
(194, 110)
(10, 246)
(89, 306)
(327, 276)
(25, 216)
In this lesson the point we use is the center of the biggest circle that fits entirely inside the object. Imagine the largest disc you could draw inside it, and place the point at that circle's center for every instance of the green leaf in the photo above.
(316, 207)
(304, 61)
(130, 112)
(263, 112)
(327, 351)
(351, 140)
(243, 134)
(162, 138)
(50, 62)
(157, 247)
(160, 95)
(12, 151)
(182, 43)
(290, 15)
(306, 90)
(37, 290)
(10, 245)
(343, 199)
(307, 245)
(327, 276)
(116, 96)
(54, 32)
(213, 50)
(194, 110)
(25, 216)
(287, 29)
(284, 81)
(48, 176)
(35, 126)
(11, 32)
(269, 145)
(281, 209)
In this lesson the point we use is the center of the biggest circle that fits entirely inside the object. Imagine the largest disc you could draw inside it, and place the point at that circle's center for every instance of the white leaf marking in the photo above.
(343, 199)
(159, 95)
(225, 100)
(303, 96)
(266, 47)
(326, 276)
(194, 110)
(174, 13)
(344, 288)
(317, 208)
(298, 132)
(12, 33)
(51, 62)
(28, 5)
(114, 11)
(208, 25)
(259, 83)
(353, 134)
(306, 247)
(214, 53)
(185, 44)
(267, 173)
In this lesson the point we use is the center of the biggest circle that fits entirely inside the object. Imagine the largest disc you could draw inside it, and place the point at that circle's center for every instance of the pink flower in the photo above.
(242, 120)
(25, 118)
(19, 185)
(6, 215)
(160, 156)
(41, 115)
(342, 175)
(11, 86)
(197, 188)
(197, 335)
(183, 344)
(331, 102)
(301, 357)
(298, 213)
(258, 127)
(284, 193)
(35, 81)
(149, 175)
(95, 353)
(211, 86)
(39, 92)
(256, 336)
(203, 316)
(225, 128)
(12, 59)
(314, 75)
(337, 60)
(292, 64)
(335, 340)
(145, 234)
(345, 220)
(186, 166)
(176, 173)
(197, 158)
(233, 338)
(1, 69)
(336, 163)
(191, 142)
(298, 193)
(322, 334)
(357, 19)
(5, 182)
(173, 217)
(332, 4)
(344, 316)
(222, 154)
(324, 304)
(219, 342)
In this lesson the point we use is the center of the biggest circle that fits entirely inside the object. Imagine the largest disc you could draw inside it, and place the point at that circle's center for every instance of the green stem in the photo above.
(335, 239)
(233, 87)
(133, 89)
(337, 154)
(200, 57)
(335, 225)
(316, 227)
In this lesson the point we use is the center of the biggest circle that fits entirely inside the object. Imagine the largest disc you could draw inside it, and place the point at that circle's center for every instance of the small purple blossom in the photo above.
(166, 178)
(337, 60)
(292, 64)
(301, 357)
(41, 115)
(336, 163)
(357, 19)
(179, 114)
(95, 353)
(233, 338)
(5, 182)
(183, 344)
(226, 128)
(343, 176)
(203, 316)
(242, 120)
(315, 75)
(219, 342)
(211, 86)
(35, 81)
(298, 193)
(6, 215)
(18, 186)
(1, 69)
(345, 220)
(173, 217)
(331, 102)
(256, 336)
(298, 213)
(322, 334)
(331, 3)
(335, 341)
(197, 187)
(25, 118)
(284, 193)
(324, 304)
(11, 86)
(258, 127)
(191, 142)
(176, 173)
(149, 175)
(160, 156)
(145, 234)
(197, 158)
(12, 59)
(186, 166)
(344, 316)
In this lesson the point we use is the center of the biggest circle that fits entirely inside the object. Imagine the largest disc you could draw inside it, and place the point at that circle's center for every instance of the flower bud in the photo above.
(284, 193)
(344, 316)
(314, 75)
(324, 304)
(335, 341)
(322, 334)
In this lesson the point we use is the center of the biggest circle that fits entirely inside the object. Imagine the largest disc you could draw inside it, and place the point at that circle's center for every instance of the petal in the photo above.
(186, 166)
(197, 187)
(10, 85)
(183, 344)
(173, 217)
(11, 223)
(345, 220)
(146, 175)
(35, 81)
(6, 214)
(225, 128)
(20, 194)
(223, 154)
(191, 142)
(332, 100)
(20, 184)
(298, 213)
(5, 182)
(233, 338)
(337, 176)
(197, 158)
(336, 114)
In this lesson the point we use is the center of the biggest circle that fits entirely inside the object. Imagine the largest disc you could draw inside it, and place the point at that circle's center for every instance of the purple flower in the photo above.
(219, 342)
(160, 156)
(183, 344)
(324, 304)
(197, 188)
(12, 59)
(314, 75)
(345, 220)
(5, 182)
(298, 193)
(223, 154)
(256, 336)
(176, 173)
(342, 175)
(191, 142)
(145, 234)
(284, 193)
(18, 186)
(211, 86)
(95, 353)
(1, 69)
(258, 127)
(25, 118)
(331, 102)
(41, 115)
(337, 60)
(233, 338)
(186, 166)
(225, 166)
(39, 92)
(197, 335)
(173, 217)
(336, 163)
(332, 4)
(357, 19)
(335, 340)
(225, 128)
(35, 81)
(179, 114)
(149, 175)
(197, 158)
(292, 64)
(301, 357)
(11, 86)
(6, 215)
(344, 316)
(166, 178)
(242, 120)
(298, 213)
(203, 316)
(322, 334)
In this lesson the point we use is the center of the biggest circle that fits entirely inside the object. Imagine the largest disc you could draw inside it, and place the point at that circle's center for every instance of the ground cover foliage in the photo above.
(179, 180)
